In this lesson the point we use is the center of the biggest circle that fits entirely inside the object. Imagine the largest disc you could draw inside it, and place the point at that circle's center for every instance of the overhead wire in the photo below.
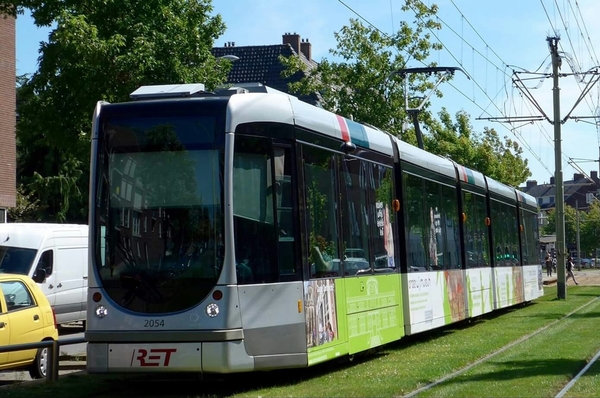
(594, 57)
(519, 136)
(578, 66)
(577, 63)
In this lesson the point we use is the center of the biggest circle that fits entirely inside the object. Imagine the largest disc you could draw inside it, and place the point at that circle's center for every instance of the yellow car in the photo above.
(25, 317)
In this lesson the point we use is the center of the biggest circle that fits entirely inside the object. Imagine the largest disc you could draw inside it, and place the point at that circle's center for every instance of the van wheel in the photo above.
(84, 324)
(39, 367)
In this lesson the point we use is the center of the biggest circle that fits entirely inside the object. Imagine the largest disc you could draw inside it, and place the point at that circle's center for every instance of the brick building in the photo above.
(7, 116)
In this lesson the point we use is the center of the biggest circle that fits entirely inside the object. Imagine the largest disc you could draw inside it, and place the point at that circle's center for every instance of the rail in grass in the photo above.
(242, 230)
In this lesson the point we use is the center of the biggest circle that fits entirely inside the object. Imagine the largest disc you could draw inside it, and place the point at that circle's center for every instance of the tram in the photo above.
(242, 229)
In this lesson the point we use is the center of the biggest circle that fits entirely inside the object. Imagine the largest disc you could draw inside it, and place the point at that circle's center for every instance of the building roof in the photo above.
(574, 190)
(261, 64)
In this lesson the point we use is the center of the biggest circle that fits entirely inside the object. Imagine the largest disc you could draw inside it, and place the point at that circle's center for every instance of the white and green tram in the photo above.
(242, 230)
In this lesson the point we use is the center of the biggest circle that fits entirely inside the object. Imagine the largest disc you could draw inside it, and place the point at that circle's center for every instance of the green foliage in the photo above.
(359, 85)
(590, 229)
(570, 224)
(100, 51)
(362, 86)
(27, 207)
(485, 152)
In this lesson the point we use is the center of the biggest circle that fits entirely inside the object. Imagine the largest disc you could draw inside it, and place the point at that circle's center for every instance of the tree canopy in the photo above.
(570, 223)
(362, 85)
(589, 230)
(100, 50)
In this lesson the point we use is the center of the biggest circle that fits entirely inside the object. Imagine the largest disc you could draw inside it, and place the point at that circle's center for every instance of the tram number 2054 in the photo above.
(154, 323)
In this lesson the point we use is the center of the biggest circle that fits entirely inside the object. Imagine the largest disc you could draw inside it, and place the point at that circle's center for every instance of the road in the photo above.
(66, 331)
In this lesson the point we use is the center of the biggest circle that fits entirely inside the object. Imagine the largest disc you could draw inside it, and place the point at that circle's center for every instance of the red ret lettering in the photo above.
(152, 357)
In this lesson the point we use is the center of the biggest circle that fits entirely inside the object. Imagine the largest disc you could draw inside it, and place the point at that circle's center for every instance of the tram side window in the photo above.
(481, 231)
(321, 208)
(505, 234)
(415, 223)
(513, 234)
(450, 228)
(433, 217)
(382, 229)
(476, 233)
(285, 215)
(476, 239)
(529, 238)
(254, 225)
(355, 183)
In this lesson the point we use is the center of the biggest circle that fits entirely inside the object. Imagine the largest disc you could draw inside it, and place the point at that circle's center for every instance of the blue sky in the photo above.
(482, 39)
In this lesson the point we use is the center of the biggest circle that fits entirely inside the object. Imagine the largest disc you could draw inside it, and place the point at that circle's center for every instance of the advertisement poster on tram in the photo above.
(321, 317)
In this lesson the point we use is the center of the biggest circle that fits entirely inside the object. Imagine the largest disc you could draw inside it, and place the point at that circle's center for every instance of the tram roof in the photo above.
(285, 108)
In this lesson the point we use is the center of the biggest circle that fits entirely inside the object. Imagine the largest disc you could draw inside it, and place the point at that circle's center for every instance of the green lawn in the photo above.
(536, 365)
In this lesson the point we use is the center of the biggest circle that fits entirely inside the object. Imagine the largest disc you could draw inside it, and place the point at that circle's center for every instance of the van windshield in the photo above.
(16, 260)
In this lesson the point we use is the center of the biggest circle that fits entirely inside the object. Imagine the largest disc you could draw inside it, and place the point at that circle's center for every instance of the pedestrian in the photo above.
(570, 270)
(548, 264)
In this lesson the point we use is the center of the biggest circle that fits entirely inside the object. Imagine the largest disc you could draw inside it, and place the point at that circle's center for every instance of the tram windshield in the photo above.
(158, 208)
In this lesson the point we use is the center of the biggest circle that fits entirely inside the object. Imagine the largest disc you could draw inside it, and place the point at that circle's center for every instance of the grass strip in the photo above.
(538, 367)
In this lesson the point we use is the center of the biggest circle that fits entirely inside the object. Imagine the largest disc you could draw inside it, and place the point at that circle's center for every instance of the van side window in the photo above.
(45, 262)
(17, 296)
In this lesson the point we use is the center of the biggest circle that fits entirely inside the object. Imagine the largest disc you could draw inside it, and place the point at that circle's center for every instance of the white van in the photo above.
(53, 255)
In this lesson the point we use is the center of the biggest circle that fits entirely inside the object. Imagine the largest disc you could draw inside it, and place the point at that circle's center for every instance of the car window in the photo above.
(16, 295)
(45, 262)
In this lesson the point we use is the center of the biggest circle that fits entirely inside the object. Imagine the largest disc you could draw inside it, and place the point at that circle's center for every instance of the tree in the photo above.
(570, 224)
(100, 51)
(485, 152)
(590, 229)
(27, 208)
(361, 85)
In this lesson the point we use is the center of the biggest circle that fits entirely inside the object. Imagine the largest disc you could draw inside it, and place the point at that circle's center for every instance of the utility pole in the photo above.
(557, 122)
(559, 197)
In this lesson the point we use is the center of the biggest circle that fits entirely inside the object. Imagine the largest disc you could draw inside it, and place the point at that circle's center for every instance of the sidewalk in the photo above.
(589, 277)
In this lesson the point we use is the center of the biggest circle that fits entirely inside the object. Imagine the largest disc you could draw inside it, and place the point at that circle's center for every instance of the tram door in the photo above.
(268, 273)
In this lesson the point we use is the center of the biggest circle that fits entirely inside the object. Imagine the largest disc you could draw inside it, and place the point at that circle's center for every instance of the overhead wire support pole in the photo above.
(556, 56)
(559, 196)
(414, 112)
(584, 92)
(521, 86)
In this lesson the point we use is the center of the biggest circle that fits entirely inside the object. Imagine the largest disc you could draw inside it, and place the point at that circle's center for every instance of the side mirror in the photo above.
(39, 276)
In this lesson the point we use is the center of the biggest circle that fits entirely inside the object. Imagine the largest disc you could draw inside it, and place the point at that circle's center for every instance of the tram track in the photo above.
(575, 379)
(483, 360)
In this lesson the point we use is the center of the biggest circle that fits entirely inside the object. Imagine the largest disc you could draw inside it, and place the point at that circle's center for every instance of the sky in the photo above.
(488, 39)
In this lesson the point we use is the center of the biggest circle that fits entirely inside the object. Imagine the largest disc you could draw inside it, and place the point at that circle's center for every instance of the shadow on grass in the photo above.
(512, 370)
(186, 385)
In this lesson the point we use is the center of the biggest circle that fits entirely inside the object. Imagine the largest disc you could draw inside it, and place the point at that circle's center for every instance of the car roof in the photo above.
(23, 278)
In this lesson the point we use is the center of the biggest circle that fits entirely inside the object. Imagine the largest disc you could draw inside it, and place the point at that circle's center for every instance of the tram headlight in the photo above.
(101, 311)
(212, 310)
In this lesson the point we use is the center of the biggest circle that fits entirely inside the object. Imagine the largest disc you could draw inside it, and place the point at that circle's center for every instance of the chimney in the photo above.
(552, 180)
(531, 183)
(293, 40)
(594, 175)
(306, 49)
(577, 176)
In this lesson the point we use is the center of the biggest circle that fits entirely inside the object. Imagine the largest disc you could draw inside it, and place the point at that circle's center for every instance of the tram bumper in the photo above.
(209, 357)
